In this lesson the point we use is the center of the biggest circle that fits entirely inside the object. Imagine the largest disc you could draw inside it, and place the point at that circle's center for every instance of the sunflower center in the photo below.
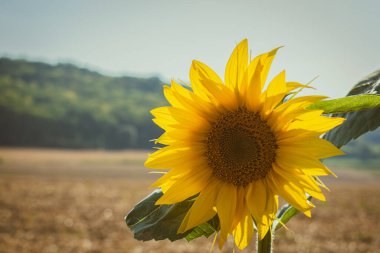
(240, 147)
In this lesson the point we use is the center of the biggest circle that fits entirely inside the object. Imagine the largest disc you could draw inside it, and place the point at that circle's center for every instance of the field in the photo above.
(75, 201)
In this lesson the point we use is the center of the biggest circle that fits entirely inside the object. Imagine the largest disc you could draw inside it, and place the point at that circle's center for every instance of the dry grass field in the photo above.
(74, 201)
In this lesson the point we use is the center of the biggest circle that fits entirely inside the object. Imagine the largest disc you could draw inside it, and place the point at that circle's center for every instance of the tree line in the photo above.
(62, 105)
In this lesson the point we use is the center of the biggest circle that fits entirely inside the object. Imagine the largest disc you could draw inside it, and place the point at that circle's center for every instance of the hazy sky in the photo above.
(339, 41)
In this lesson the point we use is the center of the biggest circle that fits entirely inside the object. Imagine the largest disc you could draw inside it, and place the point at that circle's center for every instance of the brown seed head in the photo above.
(240, 147)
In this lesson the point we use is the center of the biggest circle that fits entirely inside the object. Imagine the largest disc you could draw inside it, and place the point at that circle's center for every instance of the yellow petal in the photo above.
(243, 232)
(262, 204)
(226, 207)
(307, 164)
(177, 115)
(257, 73)
(180, 97)
(180, 171)
(182, 139)
(205, 72)
(240, 206)
(290, 192)
(266, 61)
(308, 115)
(200, 73)
(203, 208)
(247, 80)
(257, 199)
(189, 185)
(286, 112)
(307, 183)
(317, 124)
(253, 91)
(319, 148)
(172, 99)
(299, 102)
(189, 101)
(295, 133)
(269, 215)
(169, 157)
(236, 65)
(223, 96)
(290, 86)
(275, 93)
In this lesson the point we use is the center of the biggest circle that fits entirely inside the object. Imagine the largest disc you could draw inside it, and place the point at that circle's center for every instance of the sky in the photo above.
(338, 41)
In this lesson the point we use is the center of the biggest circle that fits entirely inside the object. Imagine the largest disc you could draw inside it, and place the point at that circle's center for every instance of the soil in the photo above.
(75, 201)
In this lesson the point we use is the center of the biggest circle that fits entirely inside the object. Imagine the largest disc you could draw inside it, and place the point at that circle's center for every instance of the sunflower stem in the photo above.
(265, 245)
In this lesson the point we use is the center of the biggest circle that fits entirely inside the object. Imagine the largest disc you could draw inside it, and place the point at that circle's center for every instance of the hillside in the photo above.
(71, 107)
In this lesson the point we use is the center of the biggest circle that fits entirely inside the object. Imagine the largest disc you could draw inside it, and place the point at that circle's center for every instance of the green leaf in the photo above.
(206, 229)
(359, 122)
(347, 104)
(148, 221)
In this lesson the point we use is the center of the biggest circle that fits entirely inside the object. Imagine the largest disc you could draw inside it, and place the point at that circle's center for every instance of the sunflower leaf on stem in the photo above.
(148, 221)
(347, 104)
(206, 229)
(358, 122)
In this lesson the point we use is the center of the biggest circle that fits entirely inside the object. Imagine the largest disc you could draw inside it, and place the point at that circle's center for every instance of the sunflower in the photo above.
(237, 148)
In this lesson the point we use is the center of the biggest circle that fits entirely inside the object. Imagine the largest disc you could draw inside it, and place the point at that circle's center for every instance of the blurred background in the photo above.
(77, 82)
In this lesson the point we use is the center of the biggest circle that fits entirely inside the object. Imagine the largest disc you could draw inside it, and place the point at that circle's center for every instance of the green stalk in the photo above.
(265, 245)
